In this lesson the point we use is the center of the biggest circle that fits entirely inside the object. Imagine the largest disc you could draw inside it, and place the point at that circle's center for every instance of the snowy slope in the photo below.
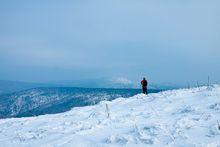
(50, 100)
(186, 117)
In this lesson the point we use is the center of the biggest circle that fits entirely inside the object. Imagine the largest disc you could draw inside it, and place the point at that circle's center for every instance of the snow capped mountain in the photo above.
(116, 82)
(122, 80)
(185, 117)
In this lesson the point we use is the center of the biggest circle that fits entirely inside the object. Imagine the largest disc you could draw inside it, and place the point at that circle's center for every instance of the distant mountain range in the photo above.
(119, 82)
(14, 86)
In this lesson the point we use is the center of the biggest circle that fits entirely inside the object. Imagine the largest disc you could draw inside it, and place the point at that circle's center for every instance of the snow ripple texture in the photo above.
(185, 117)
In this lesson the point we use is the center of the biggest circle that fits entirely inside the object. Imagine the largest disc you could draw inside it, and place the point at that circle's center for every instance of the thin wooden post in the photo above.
(218, 125)
(188, 86)
(208, 82)
(197, 84)
(107, 110)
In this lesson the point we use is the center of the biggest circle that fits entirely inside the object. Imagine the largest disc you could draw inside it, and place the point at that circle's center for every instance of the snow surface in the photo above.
(185, 117)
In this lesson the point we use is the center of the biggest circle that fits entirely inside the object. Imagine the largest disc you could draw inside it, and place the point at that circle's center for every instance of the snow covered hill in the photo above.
(50, 100)
(185, 117)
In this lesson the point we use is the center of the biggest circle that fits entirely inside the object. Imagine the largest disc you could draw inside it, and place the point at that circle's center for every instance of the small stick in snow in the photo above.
(208, 84)
(218, 125)
(188, 86)
(107, 110)
(197, 83)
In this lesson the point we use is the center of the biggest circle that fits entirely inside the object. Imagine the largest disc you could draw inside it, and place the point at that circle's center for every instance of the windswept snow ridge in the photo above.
(186, 117)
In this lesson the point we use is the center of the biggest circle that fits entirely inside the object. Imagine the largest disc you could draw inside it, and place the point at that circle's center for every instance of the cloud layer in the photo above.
(172, 41)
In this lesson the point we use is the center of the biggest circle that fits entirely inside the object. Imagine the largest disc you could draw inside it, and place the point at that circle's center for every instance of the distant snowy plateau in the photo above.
(184, 117)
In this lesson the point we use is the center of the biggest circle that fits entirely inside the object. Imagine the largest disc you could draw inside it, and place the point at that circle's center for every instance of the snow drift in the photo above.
(185, 117)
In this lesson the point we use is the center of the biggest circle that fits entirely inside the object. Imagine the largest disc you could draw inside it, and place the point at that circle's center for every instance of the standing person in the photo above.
(144, 85)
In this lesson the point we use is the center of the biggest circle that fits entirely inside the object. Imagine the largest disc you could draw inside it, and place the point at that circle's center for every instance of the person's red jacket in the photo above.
(144, 83)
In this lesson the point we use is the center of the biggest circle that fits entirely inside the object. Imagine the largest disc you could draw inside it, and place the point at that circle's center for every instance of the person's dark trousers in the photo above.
(144, 89)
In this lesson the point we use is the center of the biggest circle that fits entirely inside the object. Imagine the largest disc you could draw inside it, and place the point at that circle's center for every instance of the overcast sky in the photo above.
(175, 41)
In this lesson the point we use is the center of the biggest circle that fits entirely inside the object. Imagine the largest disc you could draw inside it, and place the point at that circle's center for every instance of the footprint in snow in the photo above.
(215, 107)
(213, 131)
(120, 140)
(150, 130)
(184, 110)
